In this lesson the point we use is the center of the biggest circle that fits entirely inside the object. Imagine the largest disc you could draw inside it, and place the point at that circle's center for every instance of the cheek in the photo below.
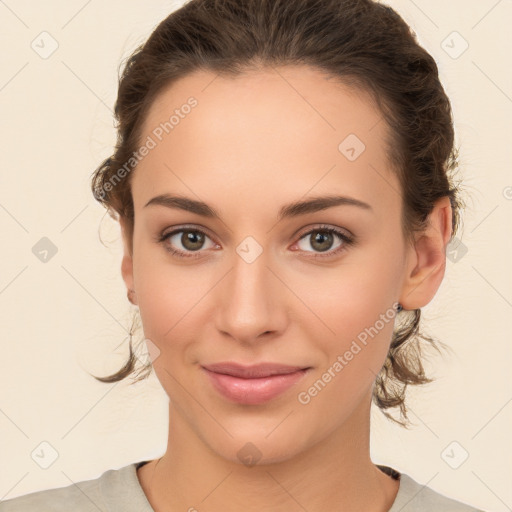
(354, 315)
(165, 293)
(347, 299)
(337, 304)
(363, 321)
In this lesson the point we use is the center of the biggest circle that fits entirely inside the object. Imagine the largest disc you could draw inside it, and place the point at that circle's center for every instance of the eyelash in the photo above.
(347, 241)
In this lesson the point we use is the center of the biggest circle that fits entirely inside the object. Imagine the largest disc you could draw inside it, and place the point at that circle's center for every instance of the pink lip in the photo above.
(253, 384)
(251, 371)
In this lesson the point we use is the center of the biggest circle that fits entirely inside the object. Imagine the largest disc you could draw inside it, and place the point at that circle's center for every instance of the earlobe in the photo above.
(428, 258)
(127, 262)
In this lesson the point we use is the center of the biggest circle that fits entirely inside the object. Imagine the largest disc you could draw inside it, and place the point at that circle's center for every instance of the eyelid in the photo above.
(346, 237)
(187, 227)
(167, 233)
(320, 227)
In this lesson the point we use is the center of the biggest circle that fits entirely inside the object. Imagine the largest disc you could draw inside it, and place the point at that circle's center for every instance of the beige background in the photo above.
(69, 315)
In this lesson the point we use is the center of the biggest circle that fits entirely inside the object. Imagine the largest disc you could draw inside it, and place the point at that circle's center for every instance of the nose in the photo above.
(251, 301)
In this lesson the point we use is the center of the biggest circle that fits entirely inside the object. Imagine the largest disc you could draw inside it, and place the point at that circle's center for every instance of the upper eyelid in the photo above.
(299, 234)
(187, 227)
(319, 227)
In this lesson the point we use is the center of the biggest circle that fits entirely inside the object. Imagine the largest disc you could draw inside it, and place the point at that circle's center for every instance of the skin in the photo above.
(253, 144)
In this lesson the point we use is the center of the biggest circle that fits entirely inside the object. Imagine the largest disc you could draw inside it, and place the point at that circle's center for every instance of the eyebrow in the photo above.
(295, 209)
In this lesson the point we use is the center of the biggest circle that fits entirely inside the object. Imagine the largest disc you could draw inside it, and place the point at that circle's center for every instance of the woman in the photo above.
(282, 183)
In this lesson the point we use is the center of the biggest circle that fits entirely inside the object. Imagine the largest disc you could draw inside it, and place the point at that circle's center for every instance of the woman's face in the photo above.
(250, 285)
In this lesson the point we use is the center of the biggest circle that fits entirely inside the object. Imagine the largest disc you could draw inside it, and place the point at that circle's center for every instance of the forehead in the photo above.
(267, 133)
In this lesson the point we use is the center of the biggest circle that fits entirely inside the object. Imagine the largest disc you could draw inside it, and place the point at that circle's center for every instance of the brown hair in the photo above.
(362, 43)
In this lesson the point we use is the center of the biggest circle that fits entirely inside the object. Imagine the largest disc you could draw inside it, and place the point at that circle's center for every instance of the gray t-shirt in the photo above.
(119, 490)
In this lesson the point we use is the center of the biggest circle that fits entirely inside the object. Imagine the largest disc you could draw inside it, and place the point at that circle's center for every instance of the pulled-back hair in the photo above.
(361, 43)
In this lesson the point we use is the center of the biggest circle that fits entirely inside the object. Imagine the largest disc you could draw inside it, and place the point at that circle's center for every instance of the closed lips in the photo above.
(253, 372)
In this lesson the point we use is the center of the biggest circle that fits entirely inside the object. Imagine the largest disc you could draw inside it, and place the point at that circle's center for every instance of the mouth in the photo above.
(253, 385)
(253, 371)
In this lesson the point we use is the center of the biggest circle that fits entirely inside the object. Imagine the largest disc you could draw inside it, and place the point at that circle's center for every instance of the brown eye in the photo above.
(323, 239)
(192, 240)
(185, 242)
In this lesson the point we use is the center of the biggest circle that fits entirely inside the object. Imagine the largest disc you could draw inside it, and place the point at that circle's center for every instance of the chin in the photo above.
(255, 446)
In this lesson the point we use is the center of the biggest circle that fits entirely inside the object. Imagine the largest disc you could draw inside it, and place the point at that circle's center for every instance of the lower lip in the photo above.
(253, 391)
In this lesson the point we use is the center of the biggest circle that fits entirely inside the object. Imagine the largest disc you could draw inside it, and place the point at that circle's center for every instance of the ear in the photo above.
(127, 262)
(427, 259)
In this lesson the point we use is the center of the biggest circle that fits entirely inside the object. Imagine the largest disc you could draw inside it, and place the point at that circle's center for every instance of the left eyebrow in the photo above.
(295, 209)
(316, 204)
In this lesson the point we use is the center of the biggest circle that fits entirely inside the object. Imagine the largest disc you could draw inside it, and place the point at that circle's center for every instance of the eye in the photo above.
(323, 240)
(189, 242)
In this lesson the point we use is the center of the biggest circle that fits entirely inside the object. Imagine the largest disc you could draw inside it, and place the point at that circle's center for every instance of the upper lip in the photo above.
(253, 371)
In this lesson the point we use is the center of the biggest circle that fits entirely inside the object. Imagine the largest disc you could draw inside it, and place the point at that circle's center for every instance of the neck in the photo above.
(335, 474)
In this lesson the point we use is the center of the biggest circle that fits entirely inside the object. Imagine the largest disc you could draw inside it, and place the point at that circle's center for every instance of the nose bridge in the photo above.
(249, 301)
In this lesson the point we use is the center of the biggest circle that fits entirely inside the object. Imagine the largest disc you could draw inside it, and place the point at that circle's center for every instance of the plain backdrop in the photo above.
(68, 315)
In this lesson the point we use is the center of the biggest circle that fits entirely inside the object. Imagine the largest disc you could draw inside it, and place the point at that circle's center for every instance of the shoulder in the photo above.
(114, 489)
(83, 496)
(415, 497)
